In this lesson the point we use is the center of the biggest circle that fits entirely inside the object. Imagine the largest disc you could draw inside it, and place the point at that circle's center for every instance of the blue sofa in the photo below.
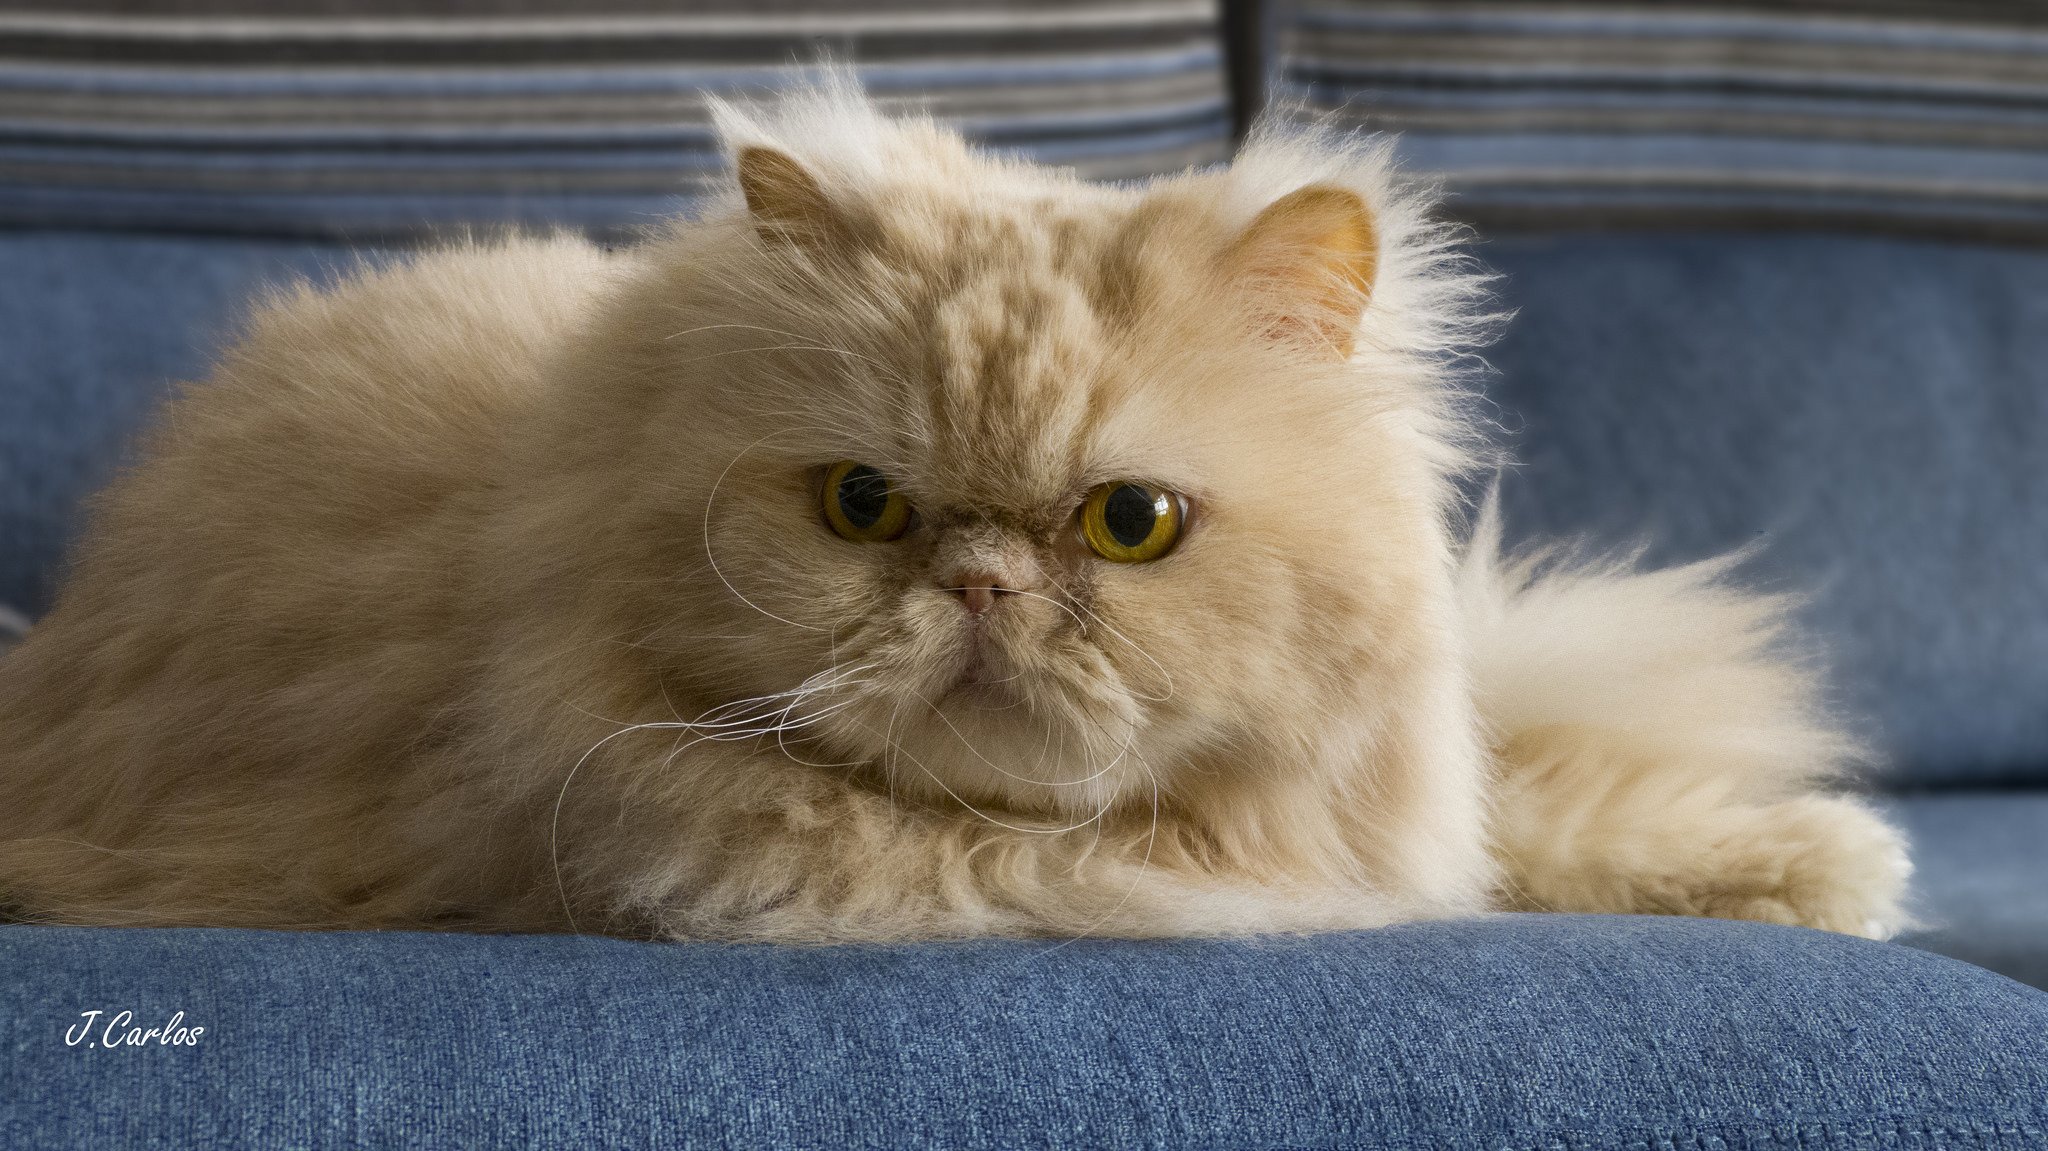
(1775, 274)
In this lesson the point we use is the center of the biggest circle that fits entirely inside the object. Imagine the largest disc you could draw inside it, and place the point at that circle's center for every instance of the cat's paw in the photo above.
(1816, 861)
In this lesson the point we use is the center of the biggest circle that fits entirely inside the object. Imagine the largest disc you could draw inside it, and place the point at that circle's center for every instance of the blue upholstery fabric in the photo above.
(1516, 1033)
(1982, 877)
(1874, 408)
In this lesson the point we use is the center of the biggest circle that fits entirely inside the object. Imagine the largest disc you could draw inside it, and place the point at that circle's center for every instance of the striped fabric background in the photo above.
(370, 120)
(1901, 114)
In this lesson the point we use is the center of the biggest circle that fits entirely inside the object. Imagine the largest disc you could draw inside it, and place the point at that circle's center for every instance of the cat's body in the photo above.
(492, 591)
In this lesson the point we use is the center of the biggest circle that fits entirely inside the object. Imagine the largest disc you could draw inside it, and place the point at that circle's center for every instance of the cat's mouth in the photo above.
(984, 678)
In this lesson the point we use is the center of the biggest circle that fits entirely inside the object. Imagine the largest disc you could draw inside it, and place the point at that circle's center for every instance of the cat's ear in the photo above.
(786, 201)
(1311, 255)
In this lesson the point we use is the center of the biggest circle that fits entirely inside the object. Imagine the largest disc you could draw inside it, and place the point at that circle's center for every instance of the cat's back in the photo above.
(407, 376)
(299, 527)
(351, 424)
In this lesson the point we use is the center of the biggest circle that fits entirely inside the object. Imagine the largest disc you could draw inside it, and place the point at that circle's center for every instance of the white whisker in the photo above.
(742, 727)
(976, 752)
(1144, 865)
(1105, 625)
(898, 749)
(713, 560)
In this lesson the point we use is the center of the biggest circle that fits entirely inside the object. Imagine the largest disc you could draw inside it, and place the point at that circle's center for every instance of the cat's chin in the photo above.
(982, 681)
(981, 694)
(971, 667)
(1000, 744)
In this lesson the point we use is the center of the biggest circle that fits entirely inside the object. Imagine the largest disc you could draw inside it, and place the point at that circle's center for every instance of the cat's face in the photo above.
(1045, 501)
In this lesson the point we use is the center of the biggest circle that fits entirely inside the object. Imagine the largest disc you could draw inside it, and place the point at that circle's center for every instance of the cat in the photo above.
(916, 543)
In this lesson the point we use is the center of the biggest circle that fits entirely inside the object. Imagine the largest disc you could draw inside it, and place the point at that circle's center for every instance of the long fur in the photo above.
(489, 590)
(1662, 745)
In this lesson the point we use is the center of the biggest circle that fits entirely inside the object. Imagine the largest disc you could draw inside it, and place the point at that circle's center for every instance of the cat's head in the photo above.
(981, 480)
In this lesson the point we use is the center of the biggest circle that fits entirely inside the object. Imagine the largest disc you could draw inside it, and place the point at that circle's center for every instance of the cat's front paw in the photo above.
(1817, 861)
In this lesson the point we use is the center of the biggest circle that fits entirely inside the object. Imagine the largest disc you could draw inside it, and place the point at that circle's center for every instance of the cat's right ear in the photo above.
(1313, 255)
(786, 201)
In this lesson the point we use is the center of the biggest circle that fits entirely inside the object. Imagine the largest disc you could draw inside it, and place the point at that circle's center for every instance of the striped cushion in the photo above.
(203, 114)
(1894, 113)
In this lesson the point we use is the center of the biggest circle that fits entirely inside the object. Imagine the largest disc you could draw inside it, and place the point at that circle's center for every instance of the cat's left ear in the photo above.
(1312, 255)
(787, 203)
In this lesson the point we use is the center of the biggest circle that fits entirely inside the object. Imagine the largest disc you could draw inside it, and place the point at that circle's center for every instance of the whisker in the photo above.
(986, 817)
(722, 730)
(1070, 605)
(976, 752)
(776, 730)
(555, 822)
(713, 560)
(1144, 865)
(1106, 626)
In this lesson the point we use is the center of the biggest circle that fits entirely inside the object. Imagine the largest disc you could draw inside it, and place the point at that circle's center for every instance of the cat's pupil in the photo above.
(1129, 513)
(863, 496)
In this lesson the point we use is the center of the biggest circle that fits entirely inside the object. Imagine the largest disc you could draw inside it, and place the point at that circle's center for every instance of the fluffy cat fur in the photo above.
(489, 590)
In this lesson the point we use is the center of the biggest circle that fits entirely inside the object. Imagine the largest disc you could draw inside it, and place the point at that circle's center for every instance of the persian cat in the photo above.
(917, 543)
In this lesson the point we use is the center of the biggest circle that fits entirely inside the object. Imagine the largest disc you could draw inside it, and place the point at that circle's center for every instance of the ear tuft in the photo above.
(1316, 252)
(785, 200)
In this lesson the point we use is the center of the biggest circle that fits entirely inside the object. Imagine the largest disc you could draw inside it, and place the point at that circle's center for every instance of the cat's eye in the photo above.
(860, 505)
(1131, 523)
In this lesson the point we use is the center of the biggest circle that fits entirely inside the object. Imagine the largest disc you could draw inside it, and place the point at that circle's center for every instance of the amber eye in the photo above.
(860, 505)
(1131, 523)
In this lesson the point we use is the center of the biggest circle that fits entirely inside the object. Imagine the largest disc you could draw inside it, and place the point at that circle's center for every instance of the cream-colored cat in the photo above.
(918, 544)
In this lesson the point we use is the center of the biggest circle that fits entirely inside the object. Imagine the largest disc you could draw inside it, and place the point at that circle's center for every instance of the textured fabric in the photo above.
(396, 119)
(1508, 1035)
(1981, 883)
(1921, 115)
(1873, 410)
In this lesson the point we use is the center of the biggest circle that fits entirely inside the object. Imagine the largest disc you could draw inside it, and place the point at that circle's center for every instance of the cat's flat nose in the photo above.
(978, 590)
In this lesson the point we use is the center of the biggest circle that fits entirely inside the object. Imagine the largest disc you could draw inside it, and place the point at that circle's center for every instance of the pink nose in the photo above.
(978, 590)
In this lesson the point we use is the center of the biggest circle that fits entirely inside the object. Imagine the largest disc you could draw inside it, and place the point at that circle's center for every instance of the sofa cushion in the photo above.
(294, 118)
(1981, 883)
(1516, 1032)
